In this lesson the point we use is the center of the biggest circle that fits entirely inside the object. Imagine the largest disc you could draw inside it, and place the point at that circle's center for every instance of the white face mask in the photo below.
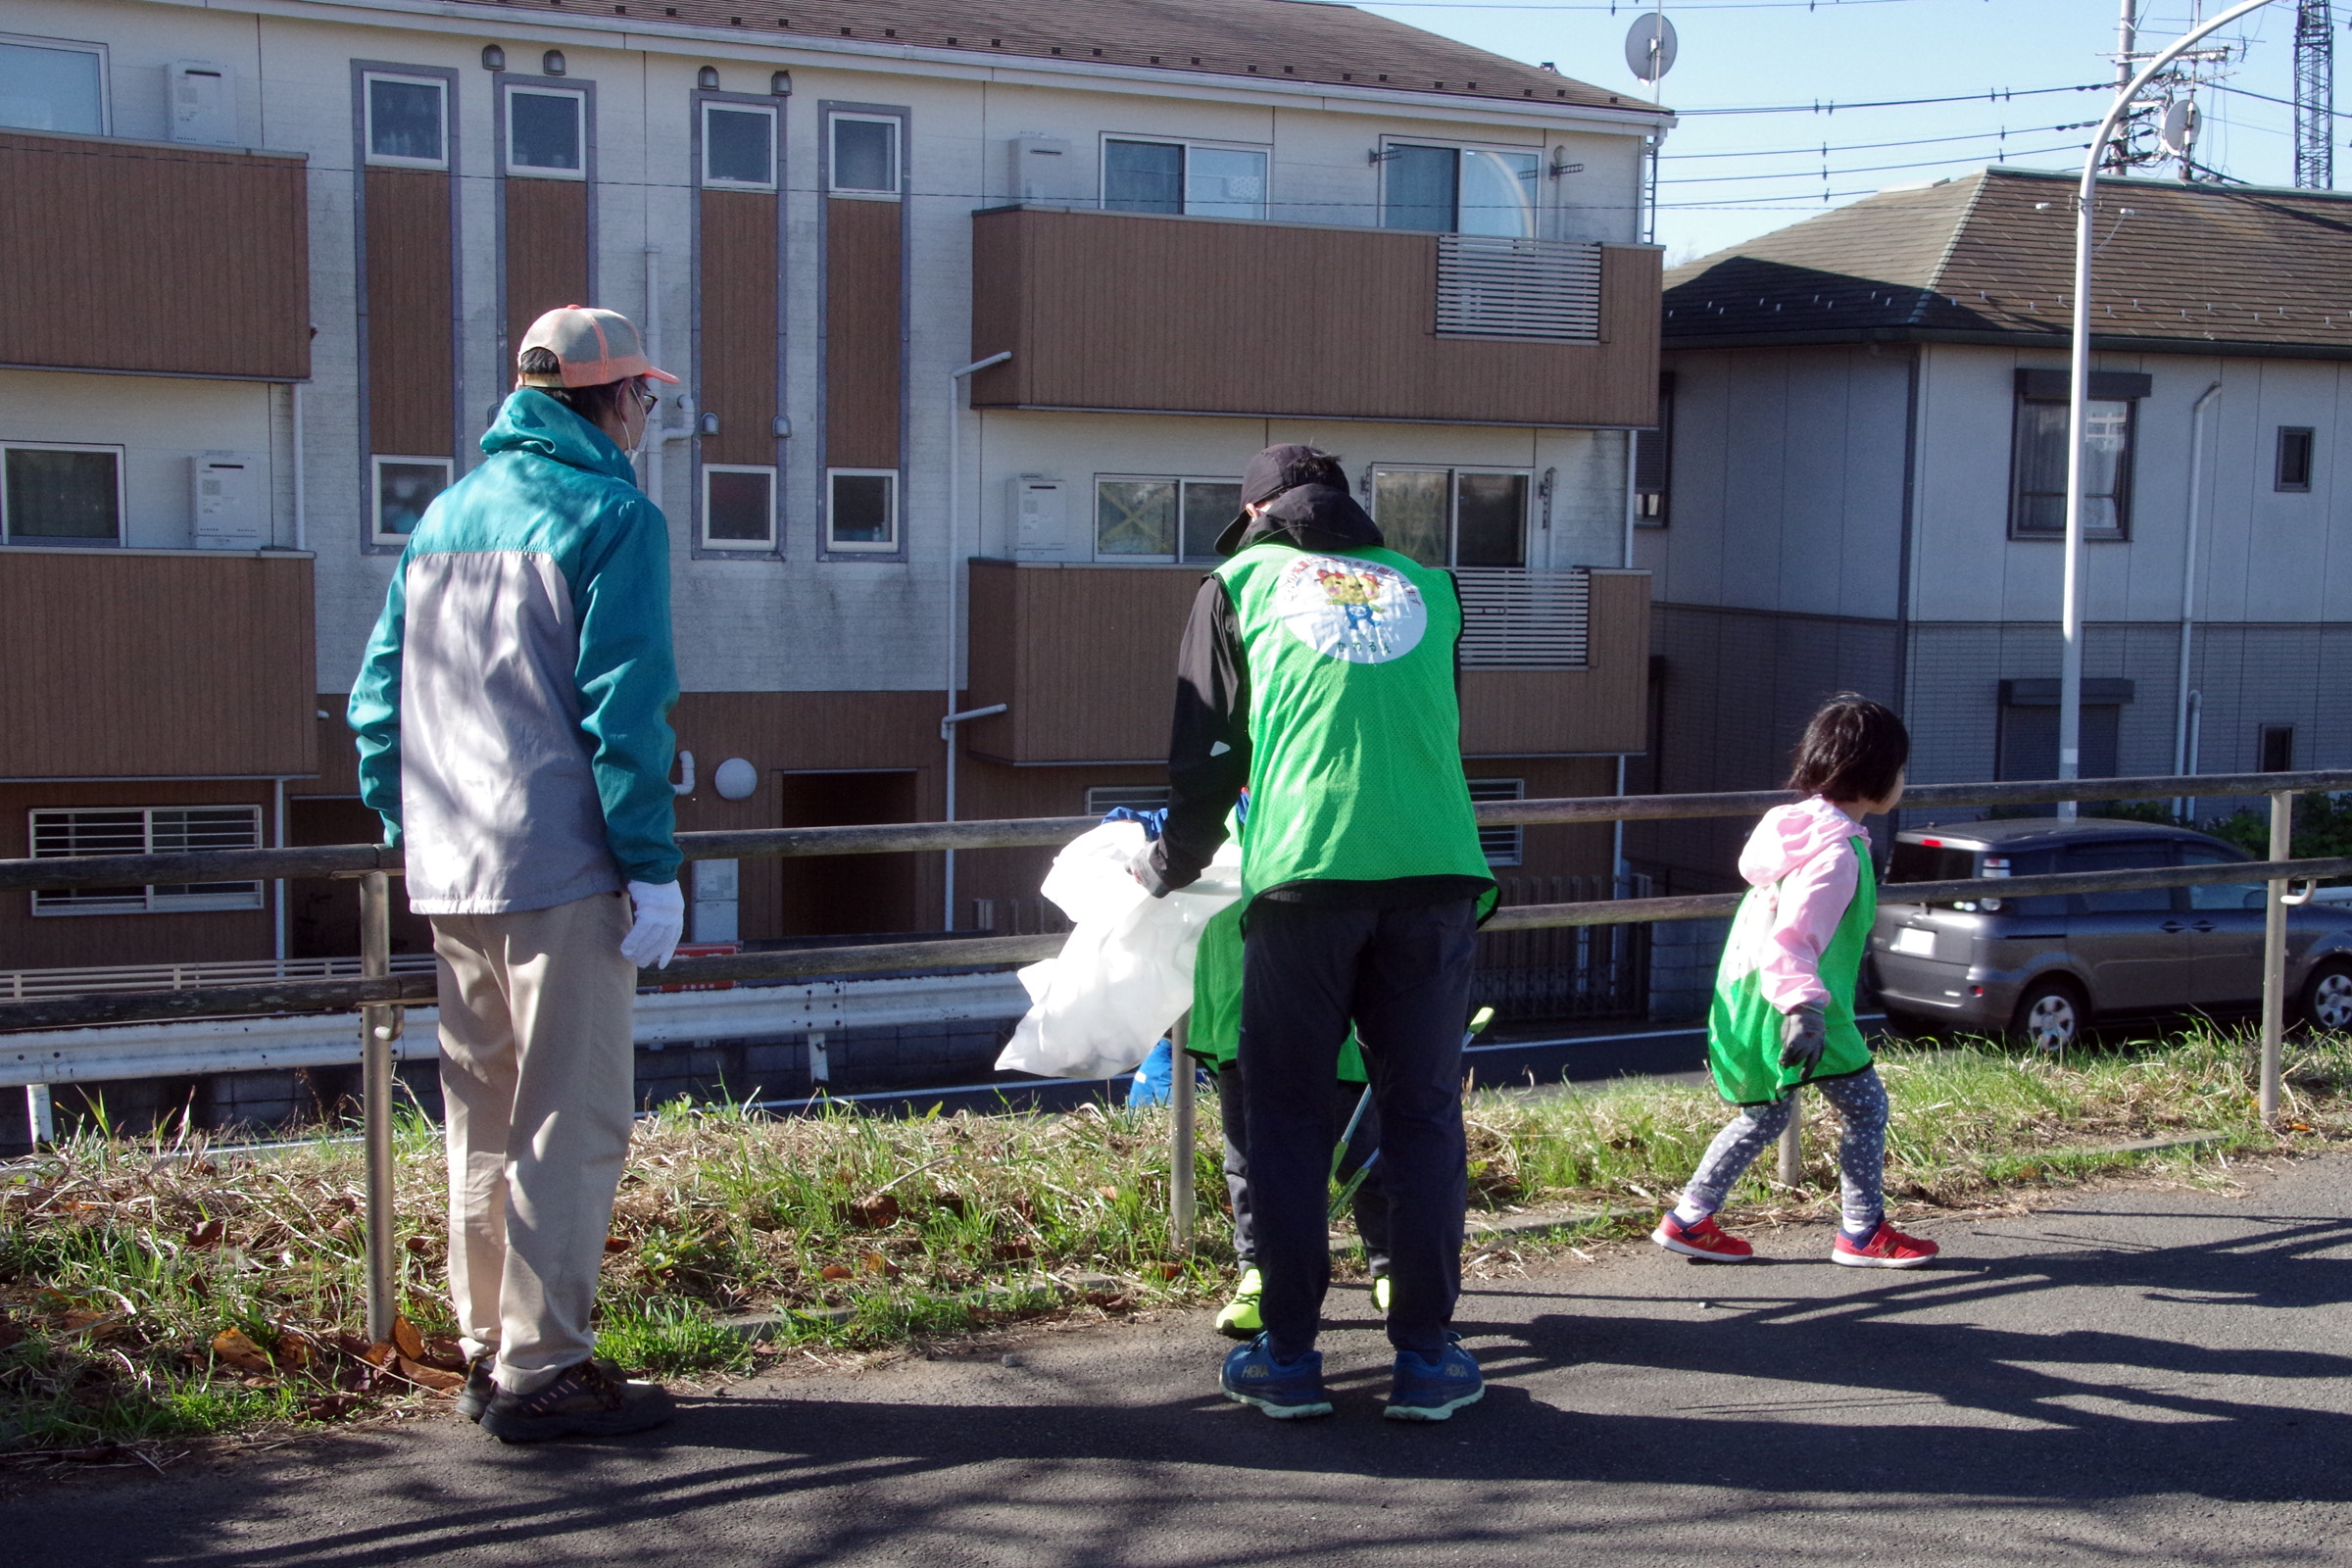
(645, 423)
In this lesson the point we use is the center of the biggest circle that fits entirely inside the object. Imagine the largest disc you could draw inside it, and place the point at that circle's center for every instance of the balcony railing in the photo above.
(1522, 617)
(1542, 289)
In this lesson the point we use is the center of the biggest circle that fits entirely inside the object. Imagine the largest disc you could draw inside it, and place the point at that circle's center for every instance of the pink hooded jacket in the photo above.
(1804, 848)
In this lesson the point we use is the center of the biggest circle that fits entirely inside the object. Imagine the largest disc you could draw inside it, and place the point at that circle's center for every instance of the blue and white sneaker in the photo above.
(1431, 1390)
(1284, 1390)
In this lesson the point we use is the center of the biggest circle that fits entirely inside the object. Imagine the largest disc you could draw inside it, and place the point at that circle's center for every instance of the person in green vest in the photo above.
(1317, 670)
(1214, 1039)
(1783, 1010)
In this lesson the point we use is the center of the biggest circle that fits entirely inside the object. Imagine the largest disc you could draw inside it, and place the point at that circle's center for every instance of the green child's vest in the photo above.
(1744, 1030)
(1214, 1035)
(1355, 766)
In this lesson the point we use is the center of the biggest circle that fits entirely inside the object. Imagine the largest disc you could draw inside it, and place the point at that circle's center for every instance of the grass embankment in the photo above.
(152, 1291)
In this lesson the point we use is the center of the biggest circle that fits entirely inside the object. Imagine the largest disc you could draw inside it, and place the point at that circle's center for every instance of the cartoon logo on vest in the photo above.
(1358, 611)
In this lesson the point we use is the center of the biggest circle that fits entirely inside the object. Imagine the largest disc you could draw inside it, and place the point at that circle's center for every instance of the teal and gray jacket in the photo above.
(513, 710)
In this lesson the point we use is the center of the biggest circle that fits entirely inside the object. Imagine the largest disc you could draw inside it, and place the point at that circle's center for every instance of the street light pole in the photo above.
(2070, 616)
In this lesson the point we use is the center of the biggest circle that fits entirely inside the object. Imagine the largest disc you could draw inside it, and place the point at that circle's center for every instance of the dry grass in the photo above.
(152, 1292)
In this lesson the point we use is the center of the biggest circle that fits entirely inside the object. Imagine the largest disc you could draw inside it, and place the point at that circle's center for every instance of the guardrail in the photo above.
(381, 996)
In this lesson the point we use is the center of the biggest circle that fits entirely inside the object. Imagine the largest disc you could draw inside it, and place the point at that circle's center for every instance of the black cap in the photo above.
(1263, 480)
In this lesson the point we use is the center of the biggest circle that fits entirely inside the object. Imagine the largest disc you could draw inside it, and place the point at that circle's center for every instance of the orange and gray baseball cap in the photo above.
(593, 347)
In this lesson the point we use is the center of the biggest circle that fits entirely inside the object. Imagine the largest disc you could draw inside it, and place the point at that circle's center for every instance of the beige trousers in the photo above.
(537, 1082)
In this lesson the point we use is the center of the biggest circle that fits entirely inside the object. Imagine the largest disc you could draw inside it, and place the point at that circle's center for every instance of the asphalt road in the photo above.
(2134, 1375)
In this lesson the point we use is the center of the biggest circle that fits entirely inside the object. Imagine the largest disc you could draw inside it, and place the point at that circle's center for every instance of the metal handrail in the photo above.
(380, 995)
(1048, 832)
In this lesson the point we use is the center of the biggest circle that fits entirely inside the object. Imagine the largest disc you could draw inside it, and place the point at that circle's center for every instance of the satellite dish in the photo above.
(1649, 46)
(2179, 128)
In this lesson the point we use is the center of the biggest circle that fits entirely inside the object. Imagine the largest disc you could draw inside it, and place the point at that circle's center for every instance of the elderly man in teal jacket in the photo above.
(513, 723)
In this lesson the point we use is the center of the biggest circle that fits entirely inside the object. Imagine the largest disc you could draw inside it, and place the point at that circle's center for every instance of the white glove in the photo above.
(660, 921)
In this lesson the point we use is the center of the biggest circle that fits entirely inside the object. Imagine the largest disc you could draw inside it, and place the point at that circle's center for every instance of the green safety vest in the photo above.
(1356, 761)
(1744, 1030)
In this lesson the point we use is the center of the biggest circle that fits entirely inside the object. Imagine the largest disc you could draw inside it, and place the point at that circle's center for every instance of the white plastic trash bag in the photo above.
(1125, 975)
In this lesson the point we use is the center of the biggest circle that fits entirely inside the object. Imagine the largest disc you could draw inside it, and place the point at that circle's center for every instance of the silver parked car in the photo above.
(2042, 968)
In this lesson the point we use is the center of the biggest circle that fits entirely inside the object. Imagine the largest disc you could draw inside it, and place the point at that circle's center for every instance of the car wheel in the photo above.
(2327, 998)
(2050, 1016)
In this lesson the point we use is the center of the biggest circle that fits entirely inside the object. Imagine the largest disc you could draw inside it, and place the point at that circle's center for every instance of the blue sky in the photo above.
(1739, 53)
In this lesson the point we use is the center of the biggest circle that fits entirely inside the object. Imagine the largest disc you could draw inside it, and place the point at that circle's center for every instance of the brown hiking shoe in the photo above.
(588, 1400)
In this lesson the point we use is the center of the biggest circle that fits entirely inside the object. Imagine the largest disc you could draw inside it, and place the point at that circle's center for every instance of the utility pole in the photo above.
(2118, 156)
(2315, 95)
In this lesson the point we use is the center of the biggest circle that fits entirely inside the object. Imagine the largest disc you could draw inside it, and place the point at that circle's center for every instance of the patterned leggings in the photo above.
(1861, 1102)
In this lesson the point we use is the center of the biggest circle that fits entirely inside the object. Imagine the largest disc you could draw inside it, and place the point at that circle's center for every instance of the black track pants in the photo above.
(1403, 977)
(1371, 1201)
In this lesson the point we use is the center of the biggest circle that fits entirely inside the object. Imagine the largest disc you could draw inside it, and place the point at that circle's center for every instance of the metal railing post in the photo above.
(2274, 957)
(1181, 1197)
(379, 1026)
(1793, 1140)
(40, 1120)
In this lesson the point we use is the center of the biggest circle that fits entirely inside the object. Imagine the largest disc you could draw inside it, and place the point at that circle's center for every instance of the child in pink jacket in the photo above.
(1783, 1010)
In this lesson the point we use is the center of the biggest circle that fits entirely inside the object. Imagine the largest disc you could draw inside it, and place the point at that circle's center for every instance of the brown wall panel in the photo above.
(75, 941)
(738, 260)
(1120, 311)
(128, 256)
(1601, 708)
(547, 251)
(409, 373)
(139, 664)
(1085, 656)
(865, 284)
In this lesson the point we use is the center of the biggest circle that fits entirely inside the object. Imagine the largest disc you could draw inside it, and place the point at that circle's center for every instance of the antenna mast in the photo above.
(2315, 95)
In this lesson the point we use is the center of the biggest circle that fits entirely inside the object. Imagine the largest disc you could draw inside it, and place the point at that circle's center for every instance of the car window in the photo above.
(2130, 855)
(2219, 895)
(2026, 862)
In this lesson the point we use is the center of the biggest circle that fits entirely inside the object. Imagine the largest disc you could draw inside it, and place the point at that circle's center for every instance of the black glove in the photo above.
(1146, 869)
(1804, 1035)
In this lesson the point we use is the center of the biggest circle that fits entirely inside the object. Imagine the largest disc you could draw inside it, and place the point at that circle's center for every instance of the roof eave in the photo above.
(2225, 348)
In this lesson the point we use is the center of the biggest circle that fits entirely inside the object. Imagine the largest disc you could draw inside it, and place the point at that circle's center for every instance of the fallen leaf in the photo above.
(953, 1202)
(430, 1377)
(295, 1348)
(877, 1212)
(444, 1353)
(381, 1353)
(234, 1347)
(208, 1234)
(406, 1340)
(1167, 1271)
(617, 1244)
(2298, 1126)
(330, 1406)
(876, 1263)
(419, 1245)
(1108, 1194)
(833, 1271)
(10, 1331)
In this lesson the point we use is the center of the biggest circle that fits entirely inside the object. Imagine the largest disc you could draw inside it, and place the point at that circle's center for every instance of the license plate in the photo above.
(1913, 939)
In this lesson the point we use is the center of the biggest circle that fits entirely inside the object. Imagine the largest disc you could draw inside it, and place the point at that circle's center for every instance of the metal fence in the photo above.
(1564, 972)
(380, 995)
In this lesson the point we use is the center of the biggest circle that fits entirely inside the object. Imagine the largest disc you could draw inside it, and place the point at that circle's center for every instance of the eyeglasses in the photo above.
(645, 396)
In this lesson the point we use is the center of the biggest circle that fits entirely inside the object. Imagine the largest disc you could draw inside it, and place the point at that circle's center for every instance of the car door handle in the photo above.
(2173, 928)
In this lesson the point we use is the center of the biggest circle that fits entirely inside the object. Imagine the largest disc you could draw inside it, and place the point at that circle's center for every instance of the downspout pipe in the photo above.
(953, 600)
(2182, 758)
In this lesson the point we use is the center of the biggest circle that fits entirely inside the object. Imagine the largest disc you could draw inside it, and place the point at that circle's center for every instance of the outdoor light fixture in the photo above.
(493, 58)
(780, 85)
(707, 78)
(552, 63)
(707, 424)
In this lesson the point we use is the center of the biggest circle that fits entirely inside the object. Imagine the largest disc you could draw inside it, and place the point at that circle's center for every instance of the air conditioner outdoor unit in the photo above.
(228, 491)
(204, 103)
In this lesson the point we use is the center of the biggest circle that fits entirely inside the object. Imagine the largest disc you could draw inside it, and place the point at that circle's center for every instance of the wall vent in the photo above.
(1548, 290)
(1520, 617)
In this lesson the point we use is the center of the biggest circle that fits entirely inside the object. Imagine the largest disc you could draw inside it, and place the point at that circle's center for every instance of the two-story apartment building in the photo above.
(1862, 483)
(263, 265)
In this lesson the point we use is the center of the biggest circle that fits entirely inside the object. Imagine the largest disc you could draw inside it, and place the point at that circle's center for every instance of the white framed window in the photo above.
(408, 121)
(1151, 518)
(145, 830)
(1453, 517)
(739, 146)
(1502, 846)
(739, 506)
(864, 153)
(1460, 190)
(54, 84)
(1198, 179)
(1102, 797)
(547, 133)
(53, 493)
(403, 488)
(861, 510)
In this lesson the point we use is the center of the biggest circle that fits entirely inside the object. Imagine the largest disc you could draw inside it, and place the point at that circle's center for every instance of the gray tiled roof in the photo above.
(1296, 41)
(1991, 254)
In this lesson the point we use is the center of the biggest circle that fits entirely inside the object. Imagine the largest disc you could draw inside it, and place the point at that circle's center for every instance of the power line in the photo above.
(1867, 169)
(1830, 106)
(1630, 6)
(1873, 146)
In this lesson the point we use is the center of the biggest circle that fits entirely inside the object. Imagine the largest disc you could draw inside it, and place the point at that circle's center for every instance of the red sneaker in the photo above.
(1887, 1248)
(1703, 1239)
